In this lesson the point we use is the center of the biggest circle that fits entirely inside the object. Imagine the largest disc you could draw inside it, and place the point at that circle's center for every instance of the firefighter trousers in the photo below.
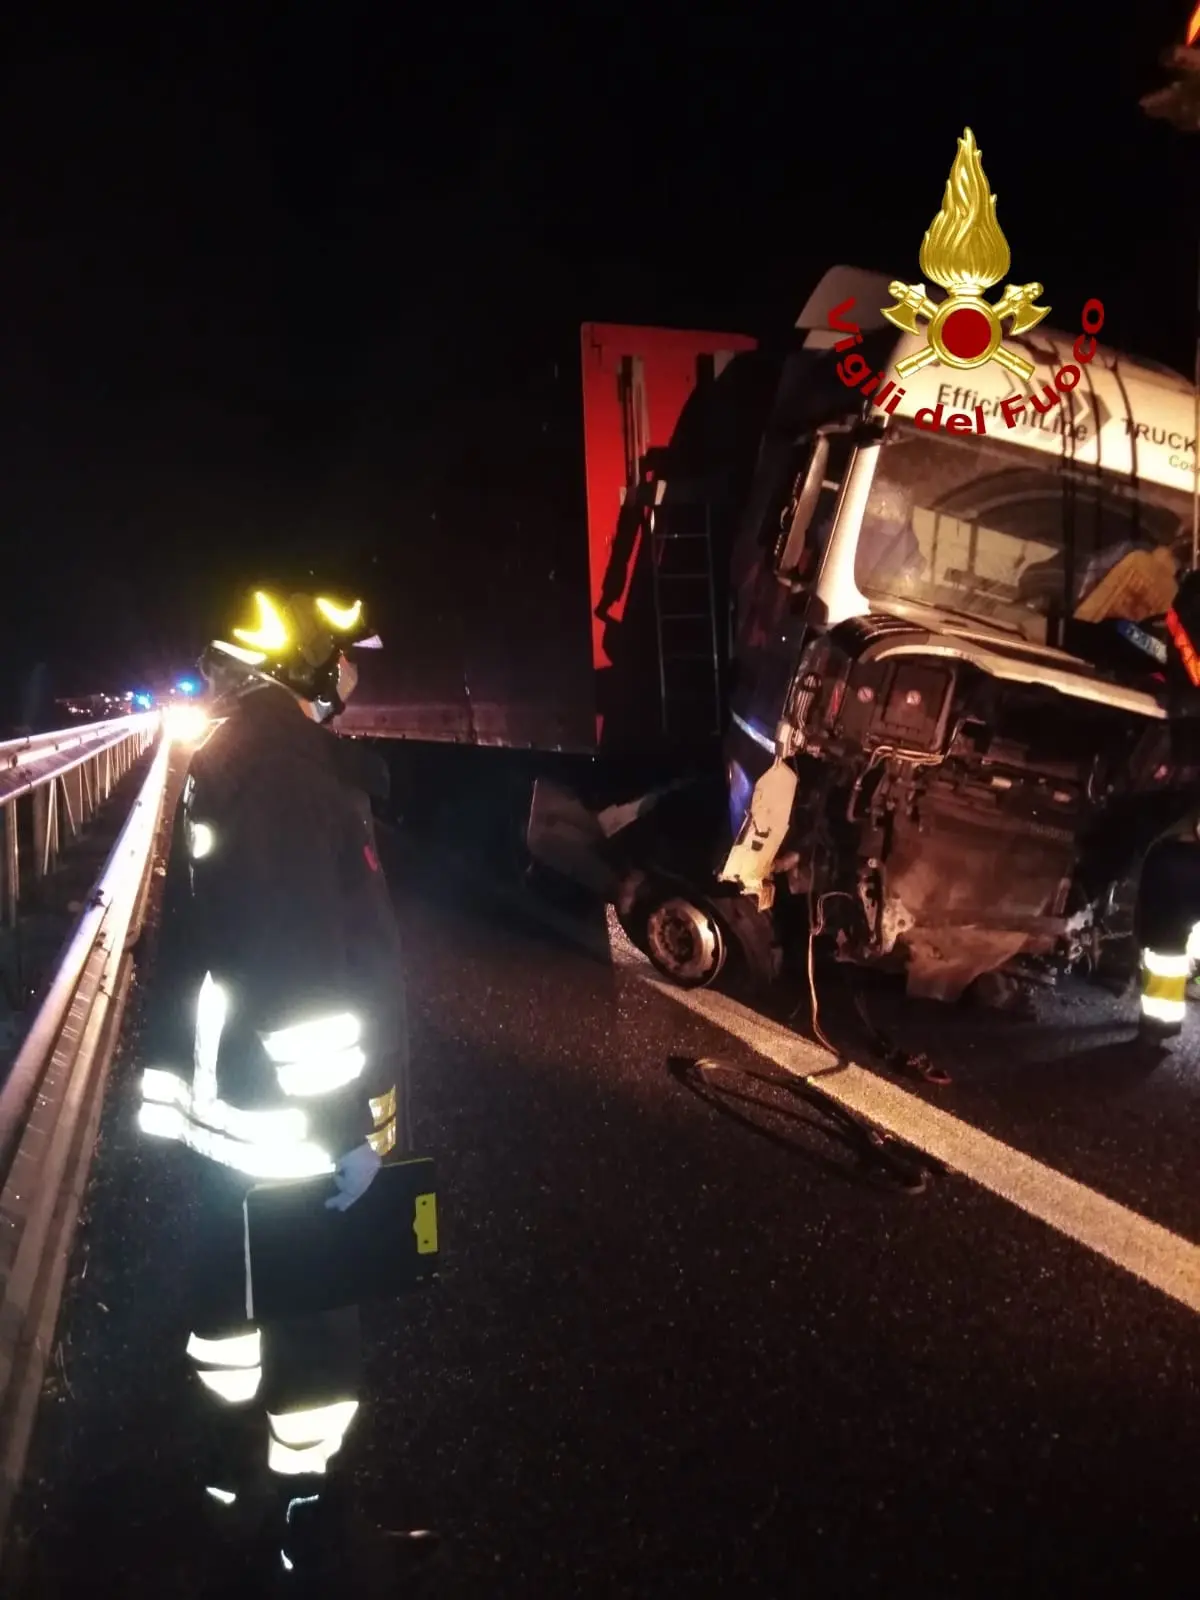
(1168, 917)
(278, 1396)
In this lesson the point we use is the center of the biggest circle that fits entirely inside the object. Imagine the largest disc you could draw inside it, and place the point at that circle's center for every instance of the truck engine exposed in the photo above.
(951, 821)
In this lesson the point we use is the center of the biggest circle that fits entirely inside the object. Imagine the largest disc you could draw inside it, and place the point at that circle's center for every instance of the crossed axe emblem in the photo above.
(965, 330)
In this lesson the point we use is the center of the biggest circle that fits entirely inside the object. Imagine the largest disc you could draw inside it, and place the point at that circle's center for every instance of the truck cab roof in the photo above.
(1124, 415)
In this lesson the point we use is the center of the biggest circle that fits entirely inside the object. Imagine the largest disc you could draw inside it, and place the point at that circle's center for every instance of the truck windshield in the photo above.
(1015, 538)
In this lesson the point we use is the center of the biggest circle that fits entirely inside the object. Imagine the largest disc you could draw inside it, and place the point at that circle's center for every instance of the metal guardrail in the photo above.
(50, 1103)
(65, 777)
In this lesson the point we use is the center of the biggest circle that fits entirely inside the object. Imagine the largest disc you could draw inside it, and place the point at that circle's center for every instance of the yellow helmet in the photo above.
(298, 641)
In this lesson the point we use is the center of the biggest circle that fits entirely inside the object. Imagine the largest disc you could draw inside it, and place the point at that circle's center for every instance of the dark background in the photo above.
(265, 278)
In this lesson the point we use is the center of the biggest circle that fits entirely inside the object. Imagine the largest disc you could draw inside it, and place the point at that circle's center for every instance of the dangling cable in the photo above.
(816, 925)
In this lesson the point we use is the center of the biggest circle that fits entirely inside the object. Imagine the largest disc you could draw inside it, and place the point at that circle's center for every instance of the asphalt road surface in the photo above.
(690, 1337)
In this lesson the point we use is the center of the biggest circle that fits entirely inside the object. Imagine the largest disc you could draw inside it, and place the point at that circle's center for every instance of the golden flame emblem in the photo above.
(965, 252)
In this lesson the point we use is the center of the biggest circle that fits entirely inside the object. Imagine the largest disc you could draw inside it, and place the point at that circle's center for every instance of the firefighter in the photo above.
(281, 1054)
(1168, 908)
(1168, 931)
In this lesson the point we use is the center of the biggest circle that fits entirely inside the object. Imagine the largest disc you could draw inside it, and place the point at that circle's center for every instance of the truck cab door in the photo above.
(778, 567)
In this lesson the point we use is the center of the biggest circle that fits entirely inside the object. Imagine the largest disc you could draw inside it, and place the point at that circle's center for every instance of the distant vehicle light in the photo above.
(185, 724)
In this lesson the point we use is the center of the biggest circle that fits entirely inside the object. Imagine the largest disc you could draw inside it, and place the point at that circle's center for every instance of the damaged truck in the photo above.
(788, 659)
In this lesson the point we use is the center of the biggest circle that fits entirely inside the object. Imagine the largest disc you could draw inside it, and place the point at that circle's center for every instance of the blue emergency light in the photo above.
(187, 686)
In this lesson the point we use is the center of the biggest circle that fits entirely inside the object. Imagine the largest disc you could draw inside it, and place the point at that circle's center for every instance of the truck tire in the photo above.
(694, 940)
(758, 955)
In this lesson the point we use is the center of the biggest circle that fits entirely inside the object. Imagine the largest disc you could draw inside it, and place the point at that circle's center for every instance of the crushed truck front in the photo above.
(953, 660)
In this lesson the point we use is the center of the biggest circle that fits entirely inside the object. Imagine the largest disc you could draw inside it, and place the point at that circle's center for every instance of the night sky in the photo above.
(262, 279)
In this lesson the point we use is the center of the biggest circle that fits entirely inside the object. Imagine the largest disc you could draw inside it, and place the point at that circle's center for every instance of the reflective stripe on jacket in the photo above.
(280, 1036)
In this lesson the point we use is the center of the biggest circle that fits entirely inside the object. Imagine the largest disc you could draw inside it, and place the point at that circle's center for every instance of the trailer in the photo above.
(581, 621)
(777, 655)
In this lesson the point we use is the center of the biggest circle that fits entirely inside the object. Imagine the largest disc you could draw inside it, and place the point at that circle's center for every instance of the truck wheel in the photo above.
(694, 940)
(683, 940)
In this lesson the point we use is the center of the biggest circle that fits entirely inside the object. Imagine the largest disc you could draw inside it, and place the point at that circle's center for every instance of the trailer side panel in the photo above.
(503, 618)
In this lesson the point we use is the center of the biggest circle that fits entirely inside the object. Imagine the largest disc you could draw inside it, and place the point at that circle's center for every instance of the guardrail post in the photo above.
(72, 783)
(12, 865)
(45, 828)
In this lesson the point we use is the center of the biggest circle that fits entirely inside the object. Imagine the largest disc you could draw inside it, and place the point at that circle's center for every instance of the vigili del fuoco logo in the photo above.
(965, 253)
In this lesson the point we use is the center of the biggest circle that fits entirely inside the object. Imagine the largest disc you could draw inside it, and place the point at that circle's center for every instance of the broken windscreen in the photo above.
(980, 527)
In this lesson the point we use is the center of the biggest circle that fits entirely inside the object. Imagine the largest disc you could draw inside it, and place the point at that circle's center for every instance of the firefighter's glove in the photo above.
(354, 1175)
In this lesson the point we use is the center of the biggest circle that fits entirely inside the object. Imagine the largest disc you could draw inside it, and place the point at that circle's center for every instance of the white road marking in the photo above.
(1163, 1259)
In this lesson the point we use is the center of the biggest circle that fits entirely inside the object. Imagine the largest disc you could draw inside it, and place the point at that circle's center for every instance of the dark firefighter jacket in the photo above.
(275, 895)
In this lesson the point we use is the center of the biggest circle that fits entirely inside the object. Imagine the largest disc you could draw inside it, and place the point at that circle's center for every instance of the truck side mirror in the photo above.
(791, 551)
(836, 439)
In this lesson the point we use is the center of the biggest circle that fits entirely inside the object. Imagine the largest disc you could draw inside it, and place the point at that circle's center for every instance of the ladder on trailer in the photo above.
(678, 524)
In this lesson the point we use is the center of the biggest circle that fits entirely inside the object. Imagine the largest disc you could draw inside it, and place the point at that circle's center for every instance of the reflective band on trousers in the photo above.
(237, 1386)
(238, 1350)
(1164, 986)
(305, 1442)
(231, 1368)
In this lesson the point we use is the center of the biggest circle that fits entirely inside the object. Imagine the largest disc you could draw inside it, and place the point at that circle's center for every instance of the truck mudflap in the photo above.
(564, 835)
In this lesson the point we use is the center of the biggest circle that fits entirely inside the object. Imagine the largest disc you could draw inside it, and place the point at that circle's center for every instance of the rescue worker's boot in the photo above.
(325, 1542)
(1157, 1034)
(236, 1520)
(233, 1491)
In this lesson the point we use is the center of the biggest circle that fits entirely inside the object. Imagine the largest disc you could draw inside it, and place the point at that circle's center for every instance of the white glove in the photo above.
(354, 1175)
